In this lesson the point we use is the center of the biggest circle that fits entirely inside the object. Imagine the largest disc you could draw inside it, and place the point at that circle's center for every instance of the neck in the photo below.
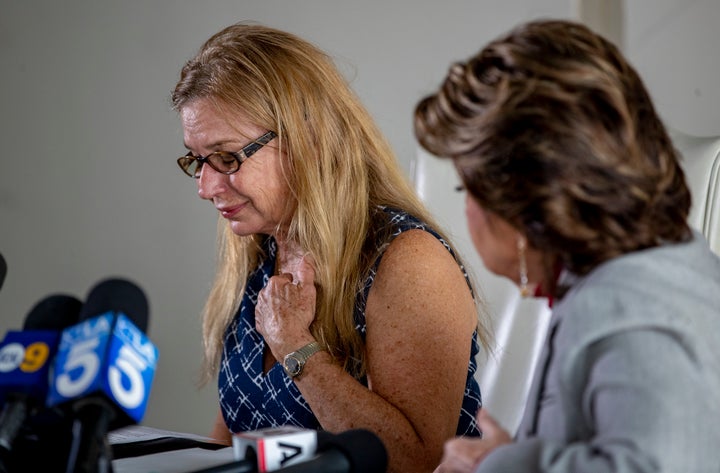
(289, 254)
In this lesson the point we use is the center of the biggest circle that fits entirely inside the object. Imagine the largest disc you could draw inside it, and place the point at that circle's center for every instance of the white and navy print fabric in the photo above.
(251, 399)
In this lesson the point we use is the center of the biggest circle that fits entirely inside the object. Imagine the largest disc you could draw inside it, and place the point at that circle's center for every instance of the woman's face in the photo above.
(495, 240)
(253, 199)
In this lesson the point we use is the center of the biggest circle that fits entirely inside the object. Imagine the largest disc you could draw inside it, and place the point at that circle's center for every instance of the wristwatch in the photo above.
(294, 362)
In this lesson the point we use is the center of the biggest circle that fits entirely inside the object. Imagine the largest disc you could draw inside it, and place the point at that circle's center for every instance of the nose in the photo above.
(211, 183)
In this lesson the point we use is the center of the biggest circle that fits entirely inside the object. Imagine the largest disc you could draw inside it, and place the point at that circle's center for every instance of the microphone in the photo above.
(238, 466)
(25, 360)
(275, 447)
(284, 449)
(269, 449)
(352, 451)
(104, 370)
(3, 270)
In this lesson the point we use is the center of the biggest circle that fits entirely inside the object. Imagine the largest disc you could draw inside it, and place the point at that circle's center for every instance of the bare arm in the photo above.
(420, 319)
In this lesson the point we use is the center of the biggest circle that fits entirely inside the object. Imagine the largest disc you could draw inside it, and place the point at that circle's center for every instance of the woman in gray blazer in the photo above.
(574, 191)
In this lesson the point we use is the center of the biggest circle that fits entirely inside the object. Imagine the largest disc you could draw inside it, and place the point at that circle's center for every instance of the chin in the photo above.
(245, 229)
(242, 229)
(497, 269)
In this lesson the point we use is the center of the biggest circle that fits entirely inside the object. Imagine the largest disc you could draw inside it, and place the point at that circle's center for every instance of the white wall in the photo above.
(674, 46)
(90, 188)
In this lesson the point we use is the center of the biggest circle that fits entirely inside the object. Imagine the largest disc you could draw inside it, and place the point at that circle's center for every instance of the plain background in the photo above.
(89, 187)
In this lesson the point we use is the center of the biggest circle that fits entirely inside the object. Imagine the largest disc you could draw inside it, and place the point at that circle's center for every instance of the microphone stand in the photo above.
(90, 452)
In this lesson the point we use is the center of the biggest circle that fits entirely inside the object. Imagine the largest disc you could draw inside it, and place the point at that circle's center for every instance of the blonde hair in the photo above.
(338, 165)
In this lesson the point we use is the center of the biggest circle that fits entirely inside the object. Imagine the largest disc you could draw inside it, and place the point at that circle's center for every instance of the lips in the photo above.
(229, 212)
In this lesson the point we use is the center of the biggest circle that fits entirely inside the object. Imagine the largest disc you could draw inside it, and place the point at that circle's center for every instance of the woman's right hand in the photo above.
(286, 308)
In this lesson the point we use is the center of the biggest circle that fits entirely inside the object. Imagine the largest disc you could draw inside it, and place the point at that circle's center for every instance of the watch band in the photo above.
(294, 362)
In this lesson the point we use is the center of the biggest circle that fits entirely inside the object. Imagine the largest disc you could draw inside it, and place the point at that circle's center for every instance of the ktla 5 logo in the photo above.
(28, 359)
(85, 360)
(89, 358)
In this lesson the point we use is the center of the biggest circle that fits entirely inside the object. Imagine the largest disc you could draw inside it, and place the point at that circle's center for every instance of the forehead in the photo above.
(205, 124)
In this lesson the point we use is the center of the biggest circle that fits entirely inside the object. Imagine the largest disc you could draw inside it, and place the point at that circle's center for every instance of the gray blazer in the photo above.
(629, 377)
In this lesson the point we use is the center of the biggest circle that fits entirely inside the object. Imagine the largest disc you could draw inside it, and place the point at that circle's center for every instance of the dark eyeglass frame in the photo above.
(186, 162)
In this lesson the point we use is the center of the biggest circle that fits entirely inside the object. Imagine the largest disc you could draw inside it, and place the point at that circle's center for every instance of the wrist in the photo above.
(294, 362)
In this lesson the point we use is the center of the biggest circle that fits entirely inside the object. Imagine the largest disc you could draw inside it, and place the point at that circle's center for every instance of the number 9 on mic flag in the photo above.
(25, 361)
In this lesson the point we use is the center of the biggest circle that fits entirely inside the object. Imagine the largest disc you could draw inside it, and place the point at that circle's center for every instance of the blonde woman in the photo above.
(337, 303)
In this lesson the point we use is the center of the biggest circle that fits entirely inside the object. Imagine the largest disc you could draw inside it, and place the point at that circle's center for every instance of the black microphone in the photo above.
(25, 360)
(3, 270)
(104, 370)
(238, 466)
(352, 451)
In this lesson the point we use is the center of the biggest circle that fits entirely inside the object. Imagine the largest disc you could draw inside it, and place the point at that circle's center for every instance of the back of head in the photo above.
(551, 129)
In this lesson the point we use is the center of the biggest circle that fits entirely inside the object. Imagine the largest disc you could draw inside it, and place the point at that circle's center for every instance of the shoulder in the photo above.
(420, 298)
(400, 220)
(405, 234)
(420, 255)
(418, 270)
(673, 287)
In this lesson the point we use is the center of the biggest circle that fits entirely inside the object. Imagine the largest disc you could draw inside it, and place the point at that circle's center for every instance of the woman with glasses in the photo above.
(337, 303)
(574, 188)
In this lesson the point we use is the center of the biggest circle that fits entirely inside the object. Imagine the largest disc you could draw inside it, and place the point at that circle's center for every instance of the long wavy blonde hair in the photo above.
(338, 165)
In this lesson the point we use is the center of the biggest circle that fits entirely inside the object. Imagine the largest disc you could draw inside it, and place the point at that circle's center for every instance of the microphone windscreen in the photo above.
(55, 312)
(117, 295)
(363, 449)
(3, 270)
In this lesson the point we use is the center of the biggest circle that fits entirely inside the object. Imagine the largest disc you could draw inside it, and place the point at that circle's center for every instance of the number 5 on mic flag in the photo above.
(106, 354)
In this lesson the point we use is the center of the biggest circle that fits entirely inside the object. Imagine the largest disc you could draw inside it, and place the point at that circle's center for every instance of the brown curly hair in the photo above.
(550, 128)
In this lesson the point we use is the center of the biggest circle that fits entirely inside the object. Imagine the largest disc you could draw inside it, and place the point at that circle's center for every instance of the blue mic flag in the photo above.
(106, 355)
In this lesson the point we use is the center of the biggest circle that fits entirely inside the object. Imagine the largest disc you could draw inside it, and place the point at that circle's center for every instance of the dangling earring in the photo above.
(521, 245)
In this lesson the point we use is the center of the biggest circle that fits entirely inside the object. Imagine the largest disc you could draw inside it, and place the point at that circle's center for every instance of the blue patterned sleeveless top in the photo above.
(251, 399)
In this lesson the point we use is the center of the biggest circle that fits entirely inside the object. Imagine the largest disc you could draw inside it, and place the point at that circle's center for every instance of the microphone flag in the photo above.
(275, 447)
(106, 354)
(25, 359)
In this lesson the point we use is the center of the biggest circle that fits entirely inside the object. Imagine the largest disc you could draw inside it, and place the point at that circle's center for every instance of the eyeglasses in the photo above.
(225, 162)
